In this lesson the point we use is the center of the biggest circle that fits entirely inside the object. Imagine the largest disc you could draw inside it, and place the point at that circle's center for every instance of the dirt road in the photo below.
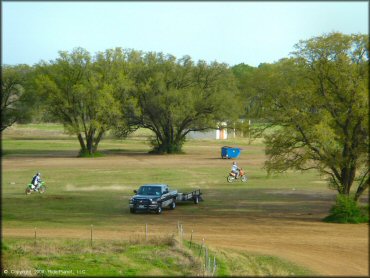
(327, 249)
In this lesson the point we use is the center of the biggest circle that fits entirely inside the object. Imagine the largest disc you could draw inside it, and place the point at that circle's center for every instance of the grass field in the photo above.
(269, 226)
(160, 256)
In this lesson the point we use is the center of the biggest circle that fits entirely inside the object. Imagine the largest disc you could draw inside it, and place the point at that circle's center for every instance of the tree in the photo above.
(318, 103)
(245, 76)
(16, 104)
(80, 96)
(173, 97)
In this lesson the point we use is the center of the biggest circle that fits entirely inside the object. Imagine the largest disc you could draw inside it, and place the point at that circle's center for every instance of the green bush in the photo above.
(347, 210)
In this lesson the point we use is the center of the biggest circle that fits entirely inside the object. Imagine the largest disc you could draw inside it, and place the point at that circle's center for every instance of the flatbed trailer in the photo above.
(194, 196)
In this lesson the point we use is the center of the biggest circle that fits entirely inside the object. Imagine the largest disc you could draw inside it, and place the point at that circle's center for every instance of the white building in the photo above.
(219, 133)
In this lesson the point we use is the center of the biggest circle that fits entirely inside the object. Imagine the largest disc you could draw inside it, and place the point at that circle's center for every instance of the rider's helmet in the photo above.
(38, 174)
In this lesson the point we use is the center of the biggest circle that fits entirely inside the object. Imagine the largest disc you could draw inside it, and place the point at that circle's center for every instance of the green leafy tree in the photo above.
(249, 97)
(173, 97)
(318, 103)
(80, 95)
(16, 101)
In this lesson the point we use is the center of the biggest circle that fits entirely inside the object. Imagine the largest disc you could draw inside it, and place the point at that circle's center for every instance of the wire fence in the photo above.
(199, 251)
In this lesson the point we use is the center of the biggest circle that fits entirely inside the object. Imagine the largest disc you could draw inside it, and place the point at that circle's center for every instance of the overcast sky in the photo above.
(230, 32)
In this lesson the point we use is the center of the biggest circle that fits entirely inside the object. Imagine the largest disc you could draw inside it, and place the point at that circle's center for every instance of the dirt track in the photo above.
(321, 247)
(327, 249)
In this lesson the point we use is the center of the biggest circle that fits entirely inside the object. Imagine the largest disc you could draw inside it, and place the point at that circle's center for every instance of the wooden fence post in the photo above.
(209, 264)
(201, 248)
(206, 259)
(191, 238)
(91, 236)
(214, 266)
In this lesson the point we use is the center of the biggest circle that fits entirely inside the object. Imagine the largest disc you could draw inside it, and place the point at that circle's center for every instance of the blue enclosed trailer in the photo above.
(229, 152)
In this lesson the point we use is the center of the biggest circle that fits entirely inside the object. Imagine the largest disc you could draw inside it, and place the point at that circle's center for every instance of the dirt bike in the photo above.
(242, 176)
(30, 188)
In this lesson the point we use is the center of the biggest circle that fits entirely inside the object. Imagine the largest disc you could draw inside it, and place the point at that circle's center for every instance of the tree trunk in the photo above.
(91, 145)
(347, 175)
(90, 141)
(168, 145)
(97, 140)
(362, 187)
(82, 143)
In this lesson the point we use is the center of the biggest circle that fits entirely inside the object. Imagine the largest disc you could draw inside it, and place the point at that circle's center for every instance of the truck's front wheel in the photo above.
(159, 209)
(173, 204)
(132, 210)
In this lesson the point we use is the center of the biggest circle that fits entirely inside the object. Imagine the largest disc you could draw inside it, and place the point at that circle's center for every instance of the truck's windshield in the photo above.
(149, 190)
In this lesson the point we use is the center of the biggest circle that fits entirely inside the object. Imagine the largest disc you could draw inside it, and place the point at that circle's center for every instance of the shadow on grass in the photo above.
(38, 153)
(24, 138)
(69, 153)
(133, 152)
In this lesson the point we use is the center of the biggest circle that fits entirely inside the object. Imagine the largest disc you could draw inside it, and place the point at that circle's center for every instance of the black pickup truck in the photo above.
(154, 197)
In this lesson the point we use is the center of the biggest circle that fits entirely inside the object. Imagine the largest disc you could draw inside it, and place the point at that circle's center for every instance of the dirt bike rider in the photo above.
(235, 169)
(36, 181)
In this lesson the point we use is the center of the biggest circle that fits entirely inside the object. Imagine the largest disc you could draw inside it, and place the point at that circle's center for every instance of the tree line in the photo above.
(315, 102)
(122, 90)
